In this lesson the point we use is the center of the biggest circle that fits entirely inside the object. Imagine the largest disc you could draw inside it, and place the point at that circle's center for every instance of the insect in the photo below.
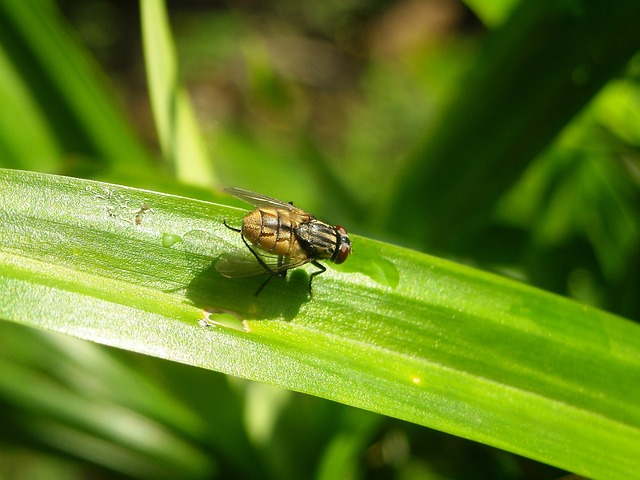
(140, 213)
(287, 237)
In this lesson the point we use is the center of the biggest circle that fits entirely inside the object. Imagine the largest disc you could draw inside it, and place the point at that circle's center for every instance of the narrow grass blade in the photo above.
(175, 122)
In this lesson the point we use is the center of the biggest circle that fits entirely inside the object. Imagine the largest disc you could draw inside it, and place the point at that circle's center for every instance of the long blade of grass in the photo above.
(534, 74)
(394, 331)
(177, 128)
(57, 95)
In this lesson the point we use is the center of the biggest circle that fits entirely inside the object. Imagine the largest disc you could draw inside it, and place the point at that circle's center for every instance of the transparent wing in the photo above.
(259, 200)
(234, 265)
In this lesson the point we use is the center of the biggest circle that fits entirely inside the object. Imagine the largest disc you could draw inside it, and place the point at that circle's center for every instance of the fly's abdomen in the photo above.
(271, 229)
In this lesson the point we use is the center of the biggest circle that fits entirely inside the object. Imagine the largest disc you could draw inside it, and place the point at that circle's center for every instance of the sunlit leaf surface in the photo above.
(391, 330)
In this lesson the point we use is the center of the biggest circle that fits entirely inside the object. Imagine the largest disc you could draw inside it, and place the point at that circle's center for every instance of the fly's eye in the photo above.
(344, 245)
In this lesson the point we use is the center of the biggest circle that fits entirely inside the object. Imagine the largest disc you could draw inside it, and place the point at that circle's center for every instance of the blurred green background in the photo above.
(505, 135)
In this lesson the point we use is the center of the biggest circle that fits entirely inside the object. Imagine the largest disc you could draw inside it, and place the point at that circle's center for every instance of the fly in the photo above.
(287, 237)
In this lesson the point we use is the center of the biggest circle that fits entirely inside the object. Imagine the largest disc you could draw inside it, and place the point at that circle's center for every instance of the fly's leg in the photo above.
(272, 274)
(281, 274)
(224, 222)
(264, 284)
(317, 272)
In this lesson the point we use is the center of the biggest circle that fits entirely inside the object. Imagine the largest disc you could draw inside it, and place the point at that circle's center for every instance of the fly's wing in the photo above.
(259, 200)
(235, 265)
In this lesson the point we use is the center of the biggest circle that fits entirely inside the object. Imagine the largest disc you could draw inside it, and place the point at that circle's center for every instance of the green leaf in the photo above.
(56, 96)
(532, 76)
(176, 124)
(392, 330)
(494, 12)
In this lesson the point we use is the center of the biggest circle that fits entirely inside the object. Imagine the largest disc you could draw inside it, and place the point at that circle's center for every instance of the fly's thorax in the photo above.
(318, 239)
(272, 229)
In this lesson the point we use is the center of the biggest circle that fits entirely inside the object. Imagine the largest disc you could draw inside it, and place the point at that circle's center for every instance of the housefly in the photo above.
(281, 237)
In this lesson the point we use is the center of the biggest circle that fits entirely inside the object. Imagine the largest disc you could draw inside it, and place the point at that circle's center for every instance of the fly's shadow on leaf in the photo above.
(209, 290)
(280, 299)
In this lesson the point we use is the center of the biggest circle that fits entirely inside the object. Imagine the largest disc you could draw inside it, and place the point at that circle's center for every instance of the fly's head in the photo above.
(343, 245)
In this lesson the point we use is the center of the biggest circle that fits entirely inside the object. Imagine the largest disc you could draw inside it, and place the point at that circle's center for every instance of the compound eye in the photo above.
(344, 245)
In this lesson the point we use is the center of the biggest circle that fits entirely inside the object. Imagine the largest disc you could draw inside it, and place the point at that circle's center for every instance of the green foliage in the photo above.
(54, 91)
(174, 118)
(439, 141)
(394, 331)
(552, 49)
